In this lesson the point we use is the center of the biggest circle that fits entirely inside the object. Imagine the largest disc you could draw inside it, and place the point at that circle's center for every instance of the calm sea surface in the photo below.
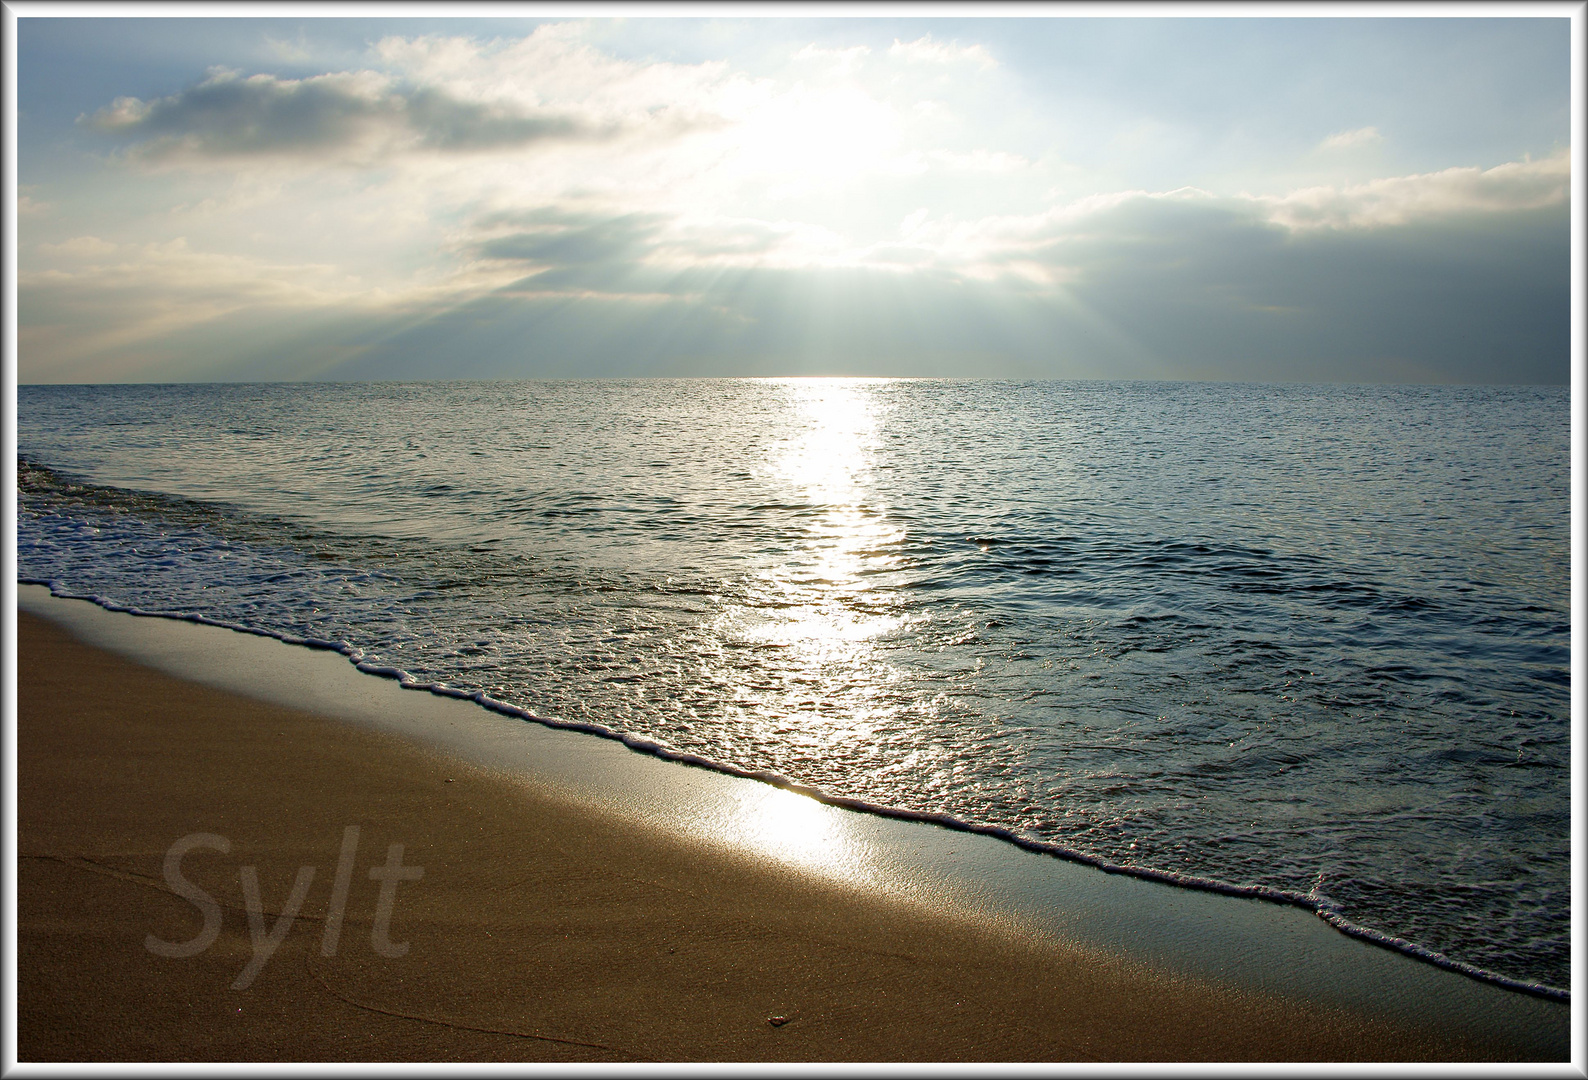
(1314, 638)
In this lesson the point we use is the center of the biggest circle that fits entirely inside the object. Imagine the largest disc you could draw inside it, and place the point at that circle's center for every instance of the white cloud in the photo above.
(1013, 247)
(924, 50)
(1517, 185)
(295, 52)
(79, 247)
(837, 61)
(551, 69)
(148, 291)
(1344, 140)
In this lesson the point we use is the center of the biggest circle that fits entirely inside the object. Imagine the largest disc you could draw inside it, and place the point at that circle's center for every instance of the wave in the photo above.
(1313, 901)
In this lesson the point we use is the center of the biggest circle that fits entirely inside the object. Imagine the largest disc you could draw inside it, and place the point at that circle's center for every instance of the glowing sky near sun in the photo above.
(297, 197)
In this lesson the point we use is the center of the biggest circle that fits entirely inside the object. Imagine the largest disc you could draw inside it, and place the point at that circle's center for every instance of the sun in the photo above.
(817, 137)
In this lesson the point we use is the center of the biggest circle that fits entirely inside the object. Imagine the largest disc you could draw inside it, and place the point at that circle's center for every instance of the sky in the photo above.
(1315, 199)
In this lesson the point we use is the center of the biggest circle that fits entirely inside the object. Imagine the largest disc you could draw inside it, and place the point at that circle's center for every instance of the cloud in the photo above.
(79, 247)
(295, 52)
(1514, 186)
(987, 248)
(427, 101)
(691, 214)
(151, 278)
(1148, 287)
(838, 61)
(924, 50)
(559, 249)
(1187, 284)
(1344, 140)
(131, 296)
(641, 255)
(1138, 285)
(551, 70)
(1128, 284)
(460, 114)
(354, 116)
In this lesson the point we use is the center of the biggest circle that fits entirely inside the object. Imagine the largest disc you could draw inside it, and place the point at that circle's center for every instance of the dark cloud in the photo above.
(357, 114)
(747, 322)
(1155, 288)
(1152, 288)
(1212, 292)
(576, 240)
(554, 235)
(445, 123)
(226, 116)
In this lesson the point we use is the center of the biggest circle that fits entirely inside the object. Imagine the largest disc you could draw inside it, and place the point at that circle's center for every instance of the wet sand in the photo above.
(540, 930)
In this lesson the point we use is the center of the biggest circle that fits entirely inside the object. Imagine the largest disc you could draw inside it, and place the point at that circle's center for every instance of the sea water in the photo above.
(1307, 640)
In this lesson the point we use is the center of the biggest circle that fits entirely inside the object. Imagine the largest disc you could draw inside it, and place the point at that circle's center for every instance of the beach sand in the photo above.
(539, 931)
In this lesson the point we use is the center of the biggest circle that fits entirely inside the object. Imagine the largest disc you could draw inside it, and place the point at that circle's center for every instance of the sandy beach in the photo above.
(535, 929)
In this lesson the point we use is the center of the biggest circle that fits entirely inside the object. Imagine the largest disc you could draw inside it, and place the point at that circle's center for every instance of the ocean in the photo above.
(1308, 641)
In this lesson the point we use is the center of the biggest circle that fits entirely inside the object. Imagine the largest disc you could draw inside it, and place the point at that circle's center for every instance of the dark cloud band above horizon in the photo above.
(1186, 290)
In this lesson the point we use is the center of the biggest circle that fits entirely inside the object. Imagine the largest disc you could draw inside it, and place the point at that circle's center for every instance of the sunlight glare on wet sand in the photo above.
(820, 609)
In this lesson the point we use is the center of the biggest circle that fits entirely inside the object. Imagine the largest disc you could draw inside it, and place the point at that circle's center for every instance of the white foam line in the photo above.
(1320, 906)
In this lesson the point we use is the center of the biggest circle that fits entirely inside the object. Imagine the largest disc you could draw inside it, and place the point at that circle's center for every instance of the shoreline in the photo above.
(1107, 980)
(1323, 909)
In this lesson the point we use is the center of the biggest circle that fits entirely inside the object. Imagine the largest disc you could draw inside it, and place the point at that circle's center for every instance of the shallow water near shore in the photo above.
(1310, 640)
(1251, 945)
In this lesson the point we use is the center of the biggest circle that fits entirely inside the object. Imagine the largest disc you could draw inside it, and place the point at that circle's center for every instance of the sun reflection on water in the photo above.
(828, 465)
(818, 613)
(804, 650)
